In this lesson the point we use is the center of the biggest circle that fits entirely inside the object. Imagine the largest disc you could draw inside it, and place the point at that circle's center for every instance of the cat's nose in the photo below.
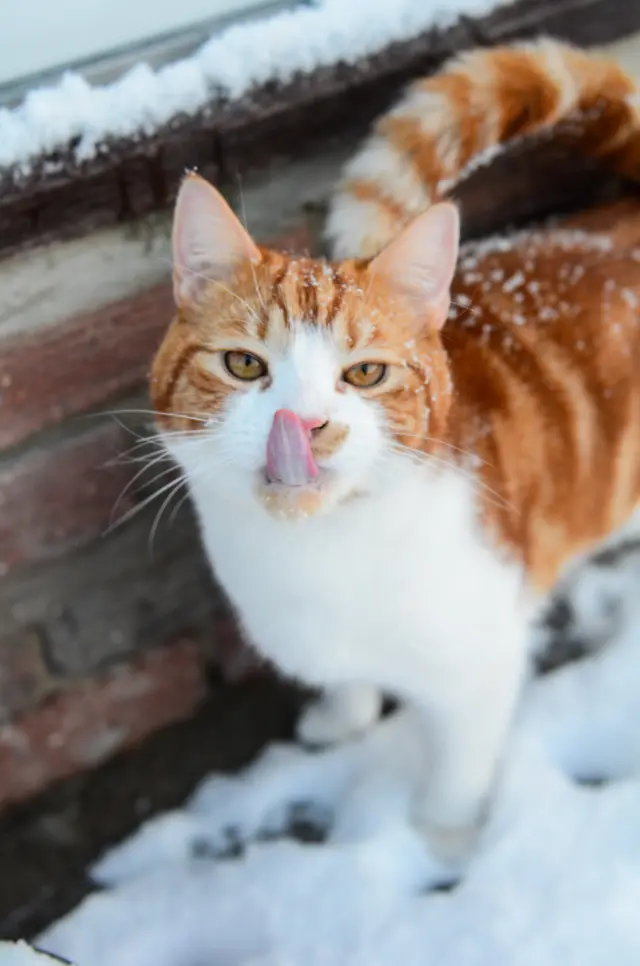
(326, 436)
(315, 425)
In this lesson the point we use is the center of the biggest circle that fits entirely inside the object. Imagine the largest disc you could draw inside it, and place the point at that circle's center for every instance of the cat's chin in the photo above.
(297, 502)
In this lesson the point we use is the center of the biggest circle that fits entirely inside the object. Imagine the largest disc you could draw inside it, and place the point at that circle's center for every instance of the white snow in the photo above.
(556, 879)
(229, 65)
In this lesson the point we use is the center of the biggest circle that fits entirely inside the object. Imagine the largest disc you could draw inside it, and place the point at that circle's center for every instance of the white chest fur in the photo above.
(381, 589)
(399, 592)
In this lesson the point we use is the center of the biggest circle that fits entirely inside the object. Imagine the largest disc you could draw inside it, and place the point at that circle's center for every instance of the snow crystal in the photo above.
(227, 66)
(547, 314)
(556, 878)
(511, 284)
(577, 274)
(564, 273)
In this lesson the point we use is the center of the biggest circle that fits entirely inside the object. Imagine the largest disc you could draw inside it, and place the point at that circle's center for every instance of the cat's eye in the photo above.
(365, 375)
(244, 366)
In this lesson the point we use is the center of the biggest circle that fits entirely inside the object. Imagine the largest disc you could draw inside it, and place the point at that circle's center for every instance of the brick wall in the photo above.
(104, 635)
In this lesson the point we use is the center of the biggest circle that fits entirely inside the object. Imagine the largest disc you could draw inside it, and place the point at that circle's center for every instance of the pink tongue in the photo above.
(289, 457)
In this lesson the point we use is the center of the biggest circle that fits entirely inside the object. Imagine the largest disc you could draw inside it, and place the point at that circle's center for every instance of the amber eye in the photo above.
(365, 374)
(245, 366)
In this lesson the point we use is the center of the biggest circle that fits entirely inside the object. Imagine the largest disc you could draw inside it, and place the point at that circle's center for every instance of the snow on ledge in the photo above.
(229, 65)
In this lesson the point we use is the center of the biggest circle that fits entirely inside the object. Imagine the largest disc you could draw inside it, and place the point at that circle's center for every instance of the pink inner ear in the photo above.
(289, 457)
(208, 240)
(420, 263)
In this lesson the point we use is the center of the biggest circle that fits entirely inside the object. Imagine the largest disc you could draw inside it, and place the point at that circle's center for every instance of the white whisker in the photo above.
(196, 417)
(155, 444)
(438, 442)
(131, 483)
(420, 457)
(184, 480)
(137, 509)
(202, 439)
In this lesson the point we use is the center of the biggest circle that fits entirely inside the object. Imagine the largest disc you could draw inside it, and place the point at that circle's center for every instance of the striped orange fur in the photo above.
(543, 344)
(483, 100)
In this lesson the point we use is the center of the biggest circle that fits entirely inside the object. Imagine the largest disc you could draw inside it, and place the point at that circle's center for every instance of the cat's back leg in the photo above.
(593, 602)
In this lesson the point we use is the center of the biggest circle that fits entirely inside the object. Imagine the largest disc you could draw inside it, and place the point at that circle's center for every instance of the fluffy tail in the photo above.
(482, 101)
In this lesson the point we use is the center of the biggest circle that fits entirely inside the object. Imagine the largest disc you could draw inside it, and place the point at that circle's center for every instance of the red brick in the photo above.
(59, 497)
(77, 365)
(83, 362)
(80, 728)
(111, 600)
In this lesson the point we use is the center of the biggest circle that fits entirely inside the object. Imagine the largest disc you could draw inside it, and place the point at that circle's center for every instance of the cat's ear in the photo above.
(421, 261)
(209, 243)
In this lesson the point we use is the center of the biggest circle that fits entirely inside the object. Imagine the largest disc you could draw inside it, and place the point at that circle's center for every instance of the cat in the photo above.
(392, 458)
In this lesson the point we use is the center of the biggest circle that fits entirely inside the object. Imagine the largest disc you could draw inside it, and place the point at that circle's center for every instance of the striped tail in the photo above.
(482, 101)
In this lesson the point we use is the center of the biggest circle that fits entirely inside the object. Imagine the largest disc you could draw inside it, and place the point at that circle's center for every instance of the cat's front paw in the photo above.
(451, 838)
(320, 725)
(339, 715)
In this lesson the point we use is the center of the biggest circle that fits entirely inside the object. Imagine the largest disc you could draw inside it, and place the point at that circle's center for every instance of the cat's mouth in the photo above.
(292, 502)
(292, 484)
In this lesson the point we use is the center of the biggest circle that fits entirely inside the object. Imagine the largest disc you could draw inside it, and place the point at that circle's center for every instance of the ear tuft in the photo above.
(421, 261)
(209, 243)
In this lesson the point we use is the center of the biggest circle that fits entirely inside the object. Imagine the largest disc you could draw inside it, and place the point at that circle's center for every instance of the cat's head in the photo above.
(291, 381)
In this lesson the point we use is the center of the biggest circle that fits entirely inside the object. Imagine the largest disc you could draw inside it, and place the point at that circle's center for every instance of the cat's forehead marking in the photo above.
(276, 298)
(307, 292)
(315, 293)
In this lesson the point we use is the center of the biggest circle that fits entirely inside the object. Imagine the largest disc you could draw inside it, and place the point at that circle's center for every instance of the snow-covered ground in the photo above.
(556, 879)
(231, 63)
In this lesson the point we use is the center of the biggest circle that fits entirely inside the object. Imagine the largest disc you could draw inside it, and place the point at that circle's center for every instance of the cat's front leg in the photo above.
(468, 727)
(341, 712)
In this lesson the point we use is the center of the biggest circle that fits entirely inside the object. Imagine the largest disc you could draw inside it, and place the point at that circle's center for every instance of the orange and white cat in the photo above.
(387, 481)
